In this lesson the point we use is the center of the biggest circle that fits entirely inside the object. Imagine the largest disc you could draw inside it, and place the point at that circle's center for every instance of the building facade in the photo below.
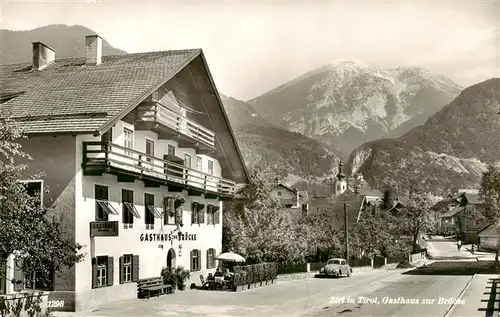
(138, 156)
(460, 215)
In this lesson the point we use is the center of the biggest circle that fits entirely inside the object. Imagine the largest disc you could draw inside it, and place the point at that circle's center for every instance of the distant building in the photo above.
(458, 211)
(290, 198)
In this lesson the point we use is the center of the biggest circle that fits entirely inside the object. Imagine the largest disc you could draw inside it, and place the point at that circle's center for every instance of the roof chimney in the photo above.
(93, 50)
(43, 55)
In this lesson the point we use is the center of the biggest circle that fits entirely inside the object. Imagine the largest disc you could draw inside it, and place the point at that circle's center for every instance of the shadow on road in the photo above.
(490, 302)
(454, 268)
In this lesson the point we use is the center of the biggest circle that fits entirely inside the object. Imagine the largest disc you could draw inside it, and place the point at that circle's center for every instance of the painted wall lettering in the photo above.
(159, 237)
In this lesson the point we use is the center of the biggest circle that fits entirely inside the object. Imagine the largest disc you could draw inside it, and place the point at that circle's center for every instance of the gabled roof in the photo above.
(452, 212)
(287, 188)
(336, 205)
(69, 96)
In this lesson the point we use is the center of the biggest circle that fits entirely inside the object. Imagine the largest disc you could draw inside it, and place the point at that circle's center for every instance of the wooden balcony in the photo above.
(171, 125)
(130, 165)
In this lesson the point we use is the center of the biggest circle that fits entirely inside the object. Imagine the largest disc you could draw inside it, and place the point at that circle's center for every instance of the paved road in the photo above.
(288, 298)
(426, 292)
(374, 292)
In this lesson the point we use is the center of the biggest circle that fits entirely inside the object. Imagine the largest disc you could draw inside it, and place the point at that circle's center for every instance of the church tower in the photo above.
(341, 181)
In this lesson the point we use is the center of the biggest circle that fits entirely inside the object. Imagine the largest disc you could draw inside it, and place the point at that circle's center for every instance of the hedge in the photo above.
(255, 273)
(292, 268)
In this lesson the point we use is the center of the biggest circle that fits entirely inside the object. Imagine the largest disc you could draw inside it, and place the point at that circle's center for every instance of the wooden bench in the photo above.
(152, 286)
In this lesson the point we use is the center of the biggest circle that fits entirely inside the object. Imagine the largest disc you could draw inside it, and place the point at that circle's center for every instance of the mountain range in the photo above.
(449, 151)
(347, 103)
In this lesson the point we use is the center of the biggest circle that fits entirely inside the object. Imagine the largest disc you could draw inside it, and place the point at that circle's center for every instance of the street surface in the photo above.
(443, 288)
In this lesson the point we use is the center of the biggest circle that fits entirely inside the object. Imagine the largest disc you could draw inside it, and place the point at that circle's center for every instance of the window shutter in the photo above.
(135, 268)
(121, 270)
(201, 216)
(194, 213)
(217, 217)
(191, 260)
(94, 272)
(199, 259)
(18, 277)
(110, 270)
(213, 258)
(208, 263)
(165, 210)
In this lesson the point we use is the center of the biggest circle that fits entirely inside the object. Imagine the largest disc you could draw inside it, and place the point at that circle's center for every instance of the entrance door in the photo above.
(171, 259)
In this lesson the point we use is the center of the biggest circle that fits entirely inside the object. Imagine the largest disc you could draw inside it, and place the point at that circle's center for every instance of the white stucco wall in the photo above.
(152, 258)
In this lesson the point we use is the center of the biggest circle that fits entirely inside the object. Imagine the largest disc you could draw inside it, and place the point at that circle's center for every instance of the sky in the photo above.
(255, 46)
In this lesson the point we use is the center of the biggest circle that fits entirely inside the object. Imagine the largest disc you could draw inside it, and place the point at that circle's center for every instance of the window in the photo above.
(210, 215)
(149, 211)
(169, 211)
(102, 206)
(199, 164)
(35, 190)
(102, 271)
(3, 274)
(150, 150)
(187, 160)
(195, 260)
(197, 213)
(305, 209)
(128, 209)
(38, 280)
(129, 268)
(211, 262)
(194, 213)
(279, 193)
(128, 136)
(170, 149)
(210, 167)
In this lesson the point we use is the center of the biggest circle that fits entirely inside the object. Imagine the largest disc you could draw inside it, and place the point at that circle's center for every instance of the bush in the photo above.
(404, 265)
(169, 277)
(24, 304)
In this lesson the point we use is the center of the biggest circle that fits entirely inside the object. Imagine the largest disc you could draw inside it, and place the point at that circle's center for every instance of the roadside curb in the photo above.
(452, 307)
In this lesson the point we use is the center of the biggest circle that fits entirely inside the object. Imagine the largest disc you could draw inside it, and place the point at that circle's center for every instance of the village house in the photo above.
(291, 198)
(138, 154)
(460, 215)
(488, 237)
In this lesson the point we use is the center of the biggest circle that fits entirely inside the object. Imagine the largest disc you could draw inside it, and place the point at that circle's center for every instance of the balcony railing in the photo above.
(181, 124)
(106, 154)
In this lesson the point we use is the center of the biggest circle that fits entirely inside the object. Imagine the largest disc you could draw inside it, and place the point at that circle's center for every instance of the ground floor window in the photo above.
(129, 268)
(195, 260)
(102, 271)
(38, 280)
(3, 277)
(211, 258)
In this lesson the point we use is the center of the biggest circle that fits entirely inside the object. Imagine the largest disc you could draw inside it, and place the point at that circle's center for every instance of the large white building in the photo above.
(138, 155)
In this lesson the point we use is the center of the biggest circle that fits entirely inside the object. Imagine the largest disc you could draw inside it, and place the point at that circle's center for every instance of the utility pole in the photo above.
(346, 238)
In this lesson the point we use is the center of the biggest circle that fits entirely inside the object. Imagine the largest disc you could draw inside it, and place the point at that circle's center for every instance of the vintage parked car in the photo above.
(336, 267)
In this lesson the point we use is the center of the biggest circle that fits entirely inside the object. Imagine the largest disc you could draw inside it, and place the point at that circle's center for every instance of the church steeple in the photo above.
(341, 182)
(340, 174)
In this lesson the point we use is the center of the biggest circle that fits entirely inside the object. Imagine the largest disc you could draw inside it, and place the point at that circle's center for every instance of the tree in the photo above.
(415, 217)
(490, 193)
(387, 200)
(259, 229)
(28, 228)
(323, 229)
